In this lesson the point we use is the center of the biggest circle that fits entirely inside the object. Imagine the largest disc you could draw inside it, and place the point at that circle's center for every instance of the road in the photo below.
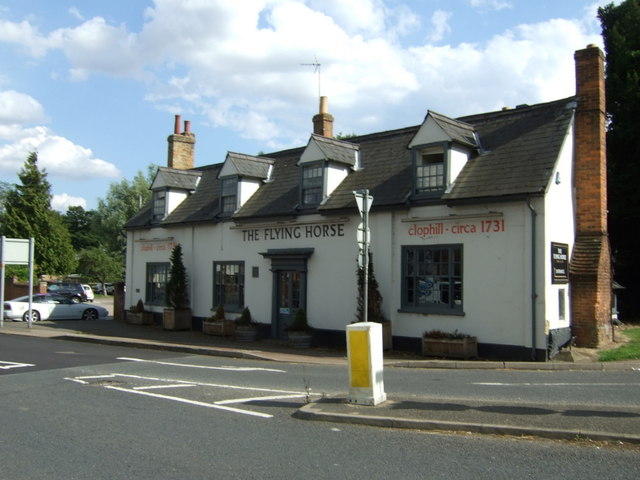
(75, 410)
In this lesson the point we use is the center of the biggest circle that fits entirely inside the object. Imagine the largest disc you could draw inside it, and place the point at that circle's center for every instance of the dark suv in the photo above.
(69, 289)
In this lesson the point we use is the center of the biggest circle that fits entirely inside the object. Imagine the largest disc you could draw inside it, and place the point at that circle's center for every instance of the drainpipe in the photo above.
(534, 295)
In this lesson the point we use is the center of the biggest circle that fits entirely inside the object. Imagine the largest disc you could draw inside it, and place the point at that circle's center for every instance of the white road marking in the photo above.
(259, 399)
(191, 402)
(152, 387)
(9, 365)
(527, 384)
(231, 369)
(277, 394)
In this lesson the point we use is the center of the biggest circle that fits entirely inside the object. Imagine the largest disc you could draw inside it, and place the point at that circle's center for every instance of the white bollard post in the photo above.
(364, 353)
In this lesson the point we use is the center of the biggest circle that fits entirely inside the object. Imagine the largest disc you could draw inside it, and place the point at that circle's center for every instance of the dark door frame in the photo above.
(287, 259)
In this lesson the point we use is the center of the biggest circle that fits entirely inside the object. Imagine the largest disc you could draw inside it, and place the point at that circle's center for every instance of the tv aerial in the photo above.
(316, 69)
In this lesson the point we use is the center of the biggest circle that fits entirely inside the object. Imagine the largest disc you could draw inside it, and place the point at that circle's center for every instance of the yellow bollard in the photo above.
(364, 352)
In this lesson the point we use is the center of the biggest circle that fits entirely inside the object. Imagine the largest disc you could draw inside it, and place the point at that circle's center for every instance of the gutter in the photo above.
(534, 295)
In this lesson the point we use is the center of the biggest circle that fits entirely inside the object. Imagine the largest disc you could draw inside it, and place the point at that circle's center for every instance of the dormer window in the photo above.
(441, 147)
(430, 170)
(324, 164)
(240, 177)
(159, 205)
(312, 184)
(169, 189)
(229, 195)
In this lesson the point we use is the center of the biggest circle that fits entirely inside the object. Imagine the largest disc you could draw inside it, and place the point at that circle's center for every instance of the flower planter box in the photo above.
(450, 347)
(140, 318)
(300, 339)
(173, 319)
(225, 328)
(245, 334)
(387, 336)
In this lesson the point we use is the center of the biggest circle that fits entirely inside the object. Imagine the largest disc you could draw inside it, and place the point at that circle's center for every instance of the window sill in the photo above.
(453, 313)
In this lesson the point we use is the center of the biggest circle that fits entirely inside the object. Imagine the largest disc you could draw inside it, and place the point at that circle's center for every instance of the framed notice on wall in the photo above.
(559, 262)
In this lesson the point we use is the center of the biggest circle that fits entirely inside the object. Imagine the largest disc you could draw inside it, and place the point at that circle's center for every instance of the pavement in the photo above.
(608, 423)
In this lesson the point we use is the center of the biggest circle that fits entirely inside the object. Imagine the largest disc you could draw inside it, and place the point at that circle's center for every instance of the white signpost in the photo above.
(15, 251)
(364, 339)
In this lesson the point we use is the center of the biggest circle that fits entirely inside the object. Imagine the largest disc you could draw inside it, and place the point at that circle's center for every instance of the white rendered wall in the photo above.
(496, 289)
(247, 188)
(559, 226)
(174, 198)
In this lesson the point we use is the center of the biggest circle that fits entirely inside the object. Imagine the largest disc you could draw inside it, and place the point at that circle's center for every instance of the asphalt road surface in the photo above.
(77, 411)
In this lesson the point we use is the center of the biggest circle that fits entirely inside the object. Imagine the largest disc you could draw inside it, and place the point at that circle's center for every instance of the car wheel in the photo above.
(35, 316)
(90, 314)
(75, 299)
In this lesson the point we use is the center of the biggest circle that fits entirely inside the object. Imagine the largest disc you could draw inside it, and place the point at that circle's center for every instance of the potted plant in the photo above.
(177, 314)
(300, 332)
(245, 329)
(137, 315)
(374, 304)
(436, 343)
(217, 324)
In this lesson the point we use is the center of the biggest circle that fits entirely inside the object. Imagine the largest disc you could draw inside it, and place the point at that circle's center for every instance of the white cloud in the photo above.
(62, 202)
(95, 46)
(440, 23)
(16, 107)
(241, 67)
(490, 4)
(73, 11)
(63, 158)
(354, 16)
(58, 155)
(26, 36)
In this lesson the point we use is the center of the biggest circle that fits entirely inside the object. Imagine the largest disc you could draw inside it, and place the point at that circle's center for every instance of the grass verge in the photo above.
(628, 351)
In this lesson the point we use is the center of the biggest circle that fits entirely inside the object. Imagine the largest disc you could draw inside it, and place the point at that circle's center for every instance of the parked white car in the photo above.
(88, 291)
(51, 306)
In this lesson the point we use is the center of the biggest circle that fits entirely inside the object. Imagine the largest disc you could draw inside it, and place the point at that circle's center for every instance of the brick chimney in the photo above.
(181, 146)
(323, 121)
(590, 269)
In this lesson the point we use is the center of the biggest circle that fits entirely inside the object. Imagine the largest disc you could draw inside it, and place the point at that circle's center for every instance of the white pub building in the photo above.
(492, 225)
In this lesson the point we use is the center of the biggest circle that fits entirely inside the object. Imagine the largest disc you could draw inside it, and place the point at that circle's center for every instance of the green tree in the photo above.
(98, 264)
(620, 27)
(4, 191)
(123, 200)
(84, 227)
(28, 214)
(178, 284)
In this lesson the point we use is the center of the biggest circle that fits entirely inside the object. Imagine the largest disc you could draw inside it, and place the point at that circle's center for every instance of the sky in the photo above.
(92, 86)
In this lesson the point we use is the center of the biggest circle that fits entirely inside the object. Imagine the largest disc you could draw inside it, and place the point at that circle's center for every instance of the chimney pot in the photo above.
(323, 105)
(323, 121)
(181, 146)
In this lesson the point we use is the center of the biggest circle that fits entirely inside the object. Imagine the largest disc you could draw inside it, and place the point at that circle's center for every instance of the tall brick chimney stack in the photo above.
(323, 121)
(181, 146)
(590, 269)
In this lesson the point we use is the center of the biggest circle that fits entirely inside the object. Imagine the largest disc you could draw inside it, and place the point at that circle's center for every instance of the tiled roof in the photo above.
(458, 131)
(180, 179)
(519, 150)
(337, 150)
(249, 165)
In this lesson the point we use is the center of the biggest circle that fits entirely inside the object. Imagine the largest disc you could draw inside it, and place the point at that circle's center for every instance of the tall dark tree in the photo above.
(28, 213)
(620, 27)
(84, 227)
(178, 283)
